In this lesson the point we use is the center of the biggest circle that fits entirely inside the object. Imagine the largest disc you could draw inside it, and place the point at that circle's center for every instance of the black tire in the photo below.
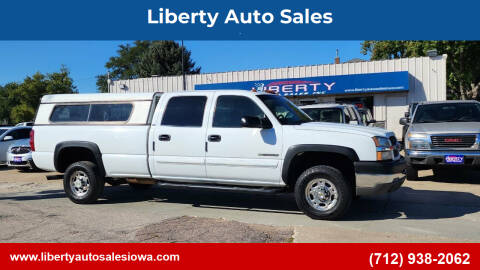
(135, 186)
(412, 173)
(341, 185)
(95, 179)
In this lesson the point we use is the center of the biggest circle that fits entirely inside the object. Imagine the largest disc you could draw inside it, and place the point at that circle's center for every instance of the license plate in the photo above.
(17, 159)
(454, 159)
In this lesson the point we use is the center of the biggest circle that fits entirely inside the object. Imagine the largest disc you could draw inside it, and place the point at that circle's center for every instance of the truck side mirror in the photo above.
(347, 119)
(255, 122)
(404, 121)
(7, 138)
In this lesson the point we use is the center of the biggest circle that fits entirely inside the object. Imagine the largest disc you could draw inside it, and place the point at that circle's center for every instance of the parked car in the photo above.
(4, 129)
(11, 137)
(334, 113)
(443, 135)
(19, 156)
(236, 140)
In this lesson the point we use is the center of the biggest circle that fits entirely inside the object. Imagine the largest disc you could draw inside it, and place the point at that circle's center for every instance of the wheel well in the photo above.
(304, 160)
(70, 155)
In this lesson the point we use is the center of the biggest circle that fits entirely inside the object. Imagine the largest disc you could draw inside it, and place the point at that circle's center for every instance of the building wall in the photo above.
(427, 82)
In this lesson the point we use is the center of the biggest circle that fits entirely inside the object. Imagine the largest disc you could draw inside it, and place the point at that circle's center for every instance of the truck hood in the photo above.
(446, 127)
(346, 128)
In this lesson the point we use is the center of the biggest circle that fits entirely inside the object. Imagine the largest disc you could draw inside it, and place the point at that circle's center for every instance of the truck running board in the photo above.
(269, 190)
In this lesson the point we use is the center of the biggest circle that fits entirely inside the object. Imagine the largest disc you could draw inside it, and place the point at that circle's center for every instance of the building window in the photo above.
(186, 111)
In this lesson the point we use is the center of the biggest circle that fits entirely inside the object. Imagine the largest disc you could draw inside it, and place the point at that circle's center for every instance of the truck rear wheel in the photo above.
(322, 192)
(83, 183)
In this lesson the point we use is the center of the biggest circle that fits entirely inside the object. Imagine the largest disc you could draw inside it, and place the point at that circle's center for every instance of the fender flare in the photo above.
(92, 147)
(294, 150)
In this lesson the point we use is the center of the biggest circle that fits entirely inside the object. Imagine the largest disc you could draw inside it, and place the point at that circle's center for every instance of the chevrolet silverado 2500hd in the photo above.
(216, 139)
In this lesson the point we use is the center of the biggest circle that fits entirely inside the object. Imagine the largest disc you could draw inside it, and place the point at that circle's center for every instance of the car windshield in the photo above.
(333, 115)
(447, 112)
(284, 110)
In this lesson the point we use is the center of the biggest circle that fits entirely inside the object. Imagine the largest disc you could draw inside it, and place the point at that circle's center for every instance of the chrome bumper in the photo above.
(432, 158)
(379, 177)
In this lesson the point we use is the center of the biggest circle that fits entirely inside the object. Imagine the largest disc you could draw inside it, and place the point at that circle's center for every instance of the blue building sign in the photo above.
(323, 85)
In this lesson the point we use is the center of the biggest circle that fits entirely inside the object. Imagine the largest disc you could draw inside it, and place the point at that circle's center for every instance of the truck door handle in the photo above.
(214, 138)
(164, 137)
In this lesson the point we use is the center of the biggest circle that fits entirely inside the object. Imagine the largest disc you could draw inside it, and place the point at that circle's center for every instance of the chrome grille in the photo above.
(20, 150)
(453, 141)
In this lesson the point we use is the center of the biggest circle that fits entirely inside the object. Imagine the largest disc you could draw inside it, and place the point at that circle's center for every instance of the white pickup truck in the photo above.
(228, 139)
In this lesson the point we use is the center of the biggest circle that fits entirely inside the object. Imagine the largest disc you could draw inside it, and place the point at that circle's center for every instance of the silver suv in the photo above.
(442, 136)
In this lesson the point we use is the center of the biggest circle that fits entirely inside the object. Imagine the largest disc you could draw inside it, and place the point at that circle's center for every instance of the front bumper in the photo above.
(435, 158)
(26, 160)
(373, 177)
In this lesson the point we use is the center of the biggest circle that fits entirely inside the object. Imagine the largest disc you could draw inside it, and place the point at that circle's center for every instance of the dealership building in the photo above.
(386, 87)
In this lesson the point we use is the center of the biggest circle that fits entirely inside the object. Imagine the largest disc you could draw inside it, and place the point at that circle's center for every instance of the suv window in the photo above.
(70, 113)
(19, 134)
(333, 115)
(230, 110)
(110, 112)
(186, 111)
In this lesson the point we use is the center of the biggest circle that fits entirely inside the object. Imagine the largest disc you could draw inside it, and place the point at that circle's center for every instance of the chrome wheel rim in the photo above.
(79, 183)
(321, 194)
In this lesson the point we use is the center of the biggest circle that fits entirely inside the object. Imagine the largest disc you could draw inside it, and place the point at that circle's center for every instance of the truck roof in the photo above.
(99, 97)
(447, 102)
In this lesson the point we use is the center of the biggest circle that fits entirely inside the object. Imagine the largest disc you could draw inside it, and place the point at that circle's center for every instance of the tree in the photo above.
(19, 101)
(463, 71)
(147, 58)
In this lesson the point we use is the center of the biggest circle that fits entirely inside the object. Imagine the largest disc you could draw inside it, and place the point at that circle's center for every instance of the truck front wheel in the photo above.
(83, 183)
(322, 192)
(412, 173)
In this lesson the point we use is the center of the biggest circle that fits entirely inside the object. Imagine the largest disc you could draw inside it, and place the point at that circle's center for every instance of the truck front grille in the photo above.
(20, 150)
(454, 141)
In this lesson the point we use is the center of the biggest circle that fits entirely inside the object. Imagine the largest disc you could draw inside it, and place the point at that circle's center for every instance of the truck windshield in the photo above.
(447, 112)
(284, 110)
(333, 115)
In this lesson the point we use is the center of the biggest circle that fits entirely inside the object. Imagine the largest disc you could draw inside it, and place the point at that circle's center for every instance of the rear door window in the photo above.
(184, 111)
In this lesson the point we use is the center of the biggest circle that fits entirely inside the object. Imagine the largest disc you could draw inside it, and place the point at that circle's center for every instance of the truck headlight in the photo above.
(417, 141)
(384, 148)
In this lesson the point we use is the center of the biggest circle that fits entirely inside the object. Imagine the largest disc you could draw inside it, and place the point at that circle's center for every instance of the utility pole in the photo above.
(108, 81)
(183, 68)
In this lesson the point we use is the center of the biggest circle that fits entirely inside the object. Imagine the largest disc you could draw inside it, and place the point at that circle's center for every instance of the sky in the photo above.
(86, 59)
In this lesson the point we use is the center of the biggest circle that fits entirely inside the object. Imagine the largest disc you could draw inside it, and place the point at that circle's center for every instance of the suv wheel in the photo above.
(82, 182)
(412, 173)
(322, 192)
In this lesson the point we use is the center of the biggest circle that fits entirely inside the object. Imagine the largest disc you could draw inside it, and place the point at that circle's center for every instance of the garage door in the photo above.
(396, 107)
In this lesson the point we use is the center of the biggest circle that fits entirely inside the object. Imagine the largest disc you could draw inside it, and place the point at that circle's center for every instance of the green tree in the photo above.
(147, 58)
(463, 71)
(19, 101)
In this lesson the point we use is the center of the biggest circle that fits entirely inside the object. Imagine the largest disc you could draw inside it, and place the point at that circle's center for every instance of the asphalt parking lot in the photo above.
(33, 209)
